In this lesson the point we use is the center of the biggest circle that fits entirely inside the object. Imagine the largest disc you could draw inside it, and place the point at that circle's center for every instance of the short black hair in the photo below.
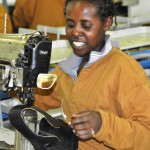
(105, 8)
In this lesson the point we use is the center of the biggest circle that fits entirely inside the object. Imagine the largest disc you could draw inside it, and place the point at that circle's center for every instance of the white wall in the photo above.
(140, 9)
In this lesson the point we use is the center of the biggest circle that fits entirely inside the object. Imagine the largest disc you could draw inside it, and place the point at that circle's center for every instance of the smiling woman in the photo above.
(104, 93)
(87, 31)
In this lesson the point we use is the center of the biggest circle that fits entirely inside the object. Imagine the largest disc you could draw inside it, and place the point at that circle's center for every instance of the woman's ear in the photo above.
(108, 23)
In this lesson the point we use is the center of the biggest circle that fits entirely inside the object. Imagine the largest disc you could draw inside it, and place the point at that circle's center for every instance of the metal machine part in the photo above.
(22, 58)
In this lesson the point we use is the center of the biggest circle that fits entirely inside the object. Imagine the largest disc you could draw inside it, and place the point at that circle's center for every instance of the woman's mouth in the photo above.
(78, 45)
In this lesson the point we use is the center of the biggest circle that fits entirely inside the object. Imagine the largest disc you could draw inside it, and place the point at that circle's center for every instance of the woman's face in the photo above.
(84, 29)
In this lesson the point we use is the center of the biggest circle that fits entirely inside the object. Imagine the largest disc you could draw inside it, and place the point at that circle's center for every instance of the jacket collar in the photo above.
(71, 64)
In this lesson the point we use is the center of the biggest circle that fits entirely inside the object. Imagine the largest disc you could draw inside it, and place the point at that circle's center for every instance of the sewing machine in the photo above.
(22, 58)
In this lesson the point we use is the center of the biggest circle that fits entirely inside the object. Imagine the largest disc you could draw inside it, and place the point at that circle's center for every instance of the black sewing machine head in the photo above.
(22, 58)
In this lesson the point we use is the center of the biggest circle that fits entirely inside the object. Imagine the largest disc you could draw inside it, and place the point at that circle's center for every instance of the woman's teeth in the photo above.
(78, 44)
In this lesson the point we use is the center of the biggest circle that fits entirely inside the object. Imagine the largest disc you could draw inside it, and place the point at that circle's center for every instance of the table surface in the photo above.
(133, 41)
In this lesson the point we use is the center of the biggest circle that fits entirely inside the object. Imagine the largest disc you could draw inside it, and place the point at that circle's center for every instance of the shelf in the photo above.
(132, 37)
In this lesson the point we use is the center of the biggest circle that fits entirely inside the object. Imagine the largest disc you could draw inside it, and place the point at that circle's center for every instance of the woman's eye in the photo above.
(70, 25)
(86, 26)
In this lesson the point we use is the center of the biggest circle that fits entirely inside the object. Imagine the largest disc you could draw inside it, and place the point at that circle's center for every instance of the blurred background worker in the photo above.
(30, 13)
(8, 22)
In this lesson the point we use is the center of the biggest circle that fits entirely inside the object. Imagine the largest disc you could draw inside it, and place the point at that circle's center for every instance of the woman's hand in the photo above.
(86, 124)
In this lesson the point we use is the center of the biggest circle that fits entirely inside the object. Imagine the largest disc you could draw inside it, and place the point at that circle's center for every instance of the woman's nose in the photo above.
(77, 31)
